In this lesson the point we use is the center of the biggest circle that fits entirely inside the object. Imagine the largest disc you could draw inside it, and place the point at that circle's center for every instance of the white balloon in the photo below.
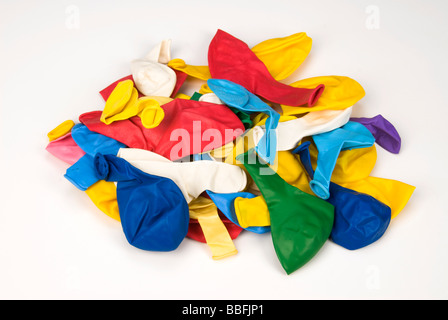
(192, 178)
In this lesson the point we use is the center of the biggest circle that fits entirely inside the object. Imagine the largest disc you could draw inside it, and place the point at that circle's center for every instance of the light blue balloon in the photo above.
(352, 135)
(92, 142)
(238, 97)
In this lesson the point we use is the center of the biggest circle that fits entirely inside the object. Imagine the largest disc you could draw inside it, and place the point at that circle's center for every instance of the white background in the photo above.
(55, 244)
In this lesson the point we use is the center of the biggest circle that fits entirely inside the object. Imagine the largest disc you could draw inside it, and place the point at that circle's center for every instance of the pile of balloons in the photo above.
(245, 152)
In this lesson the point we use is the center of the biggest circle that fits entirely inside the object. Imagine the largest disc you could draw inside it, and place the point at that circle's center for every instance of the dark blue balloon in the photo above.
(153, 211)
(359, 218)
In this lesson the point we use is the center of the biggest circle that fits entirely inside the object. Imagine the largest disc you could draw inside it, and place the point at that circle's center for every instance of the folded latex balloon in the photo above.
(238, 97)
(193, 178)
(384, 132)
(225, 203)
(329, 144)
(82, 173)
(189, 127)
(65, 149)
(124, 103)
(300, 223)
(151, 77)
(290, 133)
(231, 59)
(340, 93)
(216, 235)
(61, 130)
(359, 219)
(153, 212)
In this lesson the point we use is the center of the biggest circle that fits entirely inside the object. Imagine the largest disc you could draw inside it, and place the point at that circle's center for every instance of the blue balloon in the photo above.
(225, 203)
(352, 135)
(153, 211)
(82, 174)
(359, 219)
(92, 142)
(238, 97)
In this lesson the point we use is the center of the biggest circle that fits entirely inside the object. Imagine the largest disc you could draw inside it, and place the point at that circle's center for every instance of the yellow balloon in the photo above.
(61, 130)
(122, 103)
(104, 195)
(215, 232)
(150, 112)
(351, 165)
(199, 72)
(282, 56)
(182, 96)
(340, 93)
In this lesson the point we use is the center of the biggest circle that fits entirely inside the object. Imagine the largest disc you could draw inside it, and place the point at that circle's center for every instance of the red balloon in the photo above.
(189, 127)
(231, 59)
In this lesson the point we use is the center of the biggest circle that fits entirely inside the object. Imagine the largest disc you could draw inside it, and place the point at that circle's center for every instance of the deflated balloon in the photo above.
(231, 59)
(61, 130)
(104, 195)
(329, 144)
(151, 77)
(300, 223)
(193, 178)
(340, 93)
(238, 97)
(282, 56)
(124, 103)
(153, 212)
(189, 127)
(216, 235)
(384, 132)
(65, 149)
(244, 116)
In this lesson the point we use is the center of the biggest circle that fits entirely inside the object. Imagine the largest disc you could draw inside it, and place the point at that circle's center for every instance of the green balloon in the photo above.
(300, 223)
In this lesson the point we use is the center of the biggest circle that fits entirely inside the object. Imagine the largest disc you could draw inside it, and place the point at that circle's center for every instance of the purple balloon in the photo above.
(384, 132)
